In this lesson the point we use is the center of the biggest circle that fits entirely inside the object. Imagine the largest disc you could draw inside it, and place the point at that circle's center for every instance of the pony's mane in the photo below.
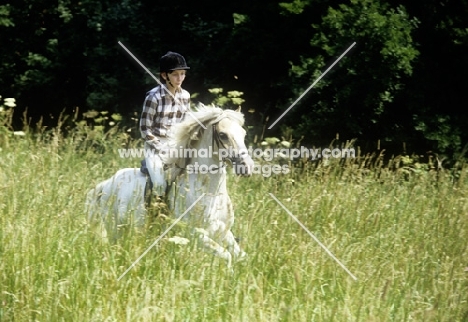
(190, 129)
(184, 133)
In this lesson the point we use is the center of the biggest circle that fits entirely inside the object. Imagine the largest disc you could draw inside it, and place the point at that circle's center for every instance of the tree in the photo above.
(355, 98)
(436, 93)
(29, 51)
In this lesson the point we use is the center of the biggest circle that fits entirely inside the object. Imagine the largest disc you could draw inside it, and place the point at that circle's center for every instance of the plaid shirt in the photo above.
(161, 111)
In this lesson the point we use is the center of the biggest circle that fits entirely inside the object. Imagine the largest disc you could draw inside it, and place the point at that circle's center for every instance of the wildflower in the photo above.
(178, 240)
(10, 102)
(201, 231)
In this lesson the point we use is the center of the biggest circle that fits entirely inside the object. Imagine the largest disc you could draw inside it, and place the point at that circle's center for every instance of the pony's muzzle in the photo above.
(244, 165)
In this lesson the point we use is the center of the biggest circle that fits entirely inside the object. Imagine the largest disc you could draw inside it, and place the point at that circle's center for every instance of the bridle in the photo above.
(216, 140)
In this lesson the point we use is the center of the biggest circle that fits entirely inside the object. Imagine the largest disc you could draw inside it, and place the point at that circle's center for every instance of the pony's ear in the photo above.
(238, 109)
(194, 136)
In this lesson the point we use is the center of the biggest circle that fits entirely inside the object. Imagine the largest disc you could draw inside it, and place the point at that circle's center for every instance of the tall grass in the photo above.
(403, 234)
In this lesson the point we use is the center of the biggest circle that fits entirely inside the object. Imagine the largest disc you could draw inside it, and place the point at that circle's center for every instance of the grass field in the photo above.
(403, 234)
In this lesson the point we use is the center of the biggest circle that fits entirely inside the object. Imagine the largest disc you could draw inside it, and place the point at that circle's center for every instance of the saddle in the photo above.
(149, 183)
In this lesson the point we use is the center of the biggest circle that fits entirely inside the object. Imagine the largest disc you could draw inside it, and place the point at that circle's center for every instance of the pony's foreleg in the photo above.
(229, 238)
(213, 247)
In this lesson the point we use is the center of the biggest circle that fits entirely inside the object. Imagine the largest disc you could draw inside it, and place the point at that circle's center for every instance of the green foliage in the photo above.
(5, 21)
(296, 7)
(441, 131)
(365, 82)
(239, 18)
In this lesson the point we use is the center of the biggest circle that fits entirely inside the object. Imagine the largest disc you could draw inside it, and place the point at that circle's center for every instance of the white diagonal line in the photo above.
(159, 238)
(159, 82)
(310, 87)
(312, 235)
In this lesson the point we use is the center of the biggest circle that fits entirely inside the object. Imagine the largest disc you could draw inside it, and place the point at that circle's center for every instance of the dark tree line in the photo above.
(404, 81)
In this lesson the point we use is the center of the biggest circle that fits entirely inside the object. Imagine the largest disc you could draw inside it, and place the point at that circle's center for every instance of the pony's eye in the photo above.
(223, 136)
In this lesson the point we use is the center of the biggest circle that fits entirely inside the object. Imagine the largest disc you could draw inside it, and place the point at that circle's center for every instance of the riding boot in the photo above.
(148, 191)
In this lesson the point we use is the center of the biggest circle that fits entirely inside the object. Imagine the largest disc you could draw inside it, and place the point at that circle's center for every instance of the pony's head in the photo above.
(218, 131)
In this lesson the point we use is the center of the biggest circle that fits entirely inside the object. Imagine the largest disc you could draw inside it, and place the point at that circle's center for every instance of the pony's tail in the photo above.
(93, 200)
(93, 205)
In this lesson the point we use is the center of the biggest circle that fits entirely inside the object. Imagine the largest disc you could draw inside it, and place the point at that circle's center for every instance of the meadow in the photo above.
(401, 228)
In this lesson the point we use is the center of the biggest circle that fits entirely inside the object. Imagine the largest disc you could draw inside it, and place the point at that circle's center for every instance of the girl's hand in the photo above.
(155, 144)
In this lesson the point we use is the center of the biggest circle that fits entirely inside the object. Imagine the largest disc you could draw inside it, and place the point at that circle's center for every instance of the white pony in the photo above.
(199, 171)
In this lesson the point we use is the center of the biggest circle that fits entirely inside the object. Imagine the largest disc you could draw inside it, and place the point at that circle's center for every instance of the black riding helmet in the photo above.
(172, 61)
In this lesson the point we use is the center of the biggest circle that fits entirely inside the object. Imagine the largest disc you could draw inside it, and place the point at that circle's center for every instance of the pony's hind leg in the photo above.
(234, 247)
